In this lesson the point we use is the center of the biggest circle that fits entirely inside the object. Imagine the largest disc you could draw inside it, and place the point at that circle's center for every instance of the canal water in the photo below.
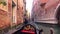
(46, 28)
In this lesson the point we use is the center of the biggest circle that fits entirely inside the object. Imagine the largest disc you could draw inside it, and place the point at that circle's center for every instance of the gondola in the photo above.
(26, 29)
(29, 28)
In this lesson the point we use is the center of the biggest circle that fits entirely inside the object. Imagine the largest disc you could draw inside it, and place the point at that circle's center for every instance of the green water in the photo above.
(46, 28)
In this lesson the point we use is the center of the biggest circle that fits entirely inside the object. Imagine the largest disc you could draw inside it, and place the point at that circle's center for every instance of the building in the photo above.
(16, 12)
(20, 11)
(4, 19)
(45, 10)
(11, 12)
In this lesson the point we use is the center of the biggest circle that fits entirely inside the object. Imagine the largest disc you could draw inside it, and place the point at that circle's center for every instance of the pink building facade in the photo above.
(45, 10)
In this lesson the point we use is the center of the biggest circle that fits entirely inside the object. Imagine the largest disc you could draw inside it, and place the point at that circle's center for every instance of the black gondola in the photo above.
(27, 29)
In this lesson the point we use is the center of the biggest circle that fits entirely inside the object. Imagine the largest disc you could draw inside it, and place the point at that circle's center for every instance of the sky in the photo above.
(29, 6)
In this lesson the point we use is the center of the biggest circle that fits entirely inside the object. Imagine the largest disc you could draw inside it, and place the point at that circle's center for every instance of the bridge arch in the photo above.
(58, 13)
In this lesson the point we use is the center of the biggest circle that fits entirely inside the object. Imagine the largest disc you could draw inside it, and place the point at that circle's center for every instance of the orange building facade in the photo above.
(9, 15)
(4, 19)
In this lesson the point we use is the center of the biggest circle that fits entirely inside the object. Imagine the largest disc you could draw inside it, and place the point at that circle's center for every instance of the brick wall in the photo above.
(4, 20)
